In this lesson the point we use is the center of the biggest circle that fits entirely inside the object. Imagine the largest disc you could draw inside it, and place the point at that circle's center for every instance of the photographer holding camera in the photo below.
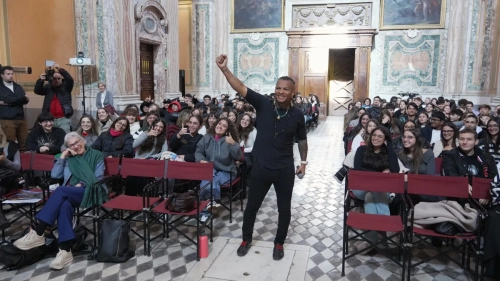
(57, 94)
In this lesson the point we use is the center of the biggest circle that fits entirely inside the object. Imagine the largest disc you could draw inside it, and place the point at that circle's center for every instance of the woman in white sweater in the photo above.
(247, 133)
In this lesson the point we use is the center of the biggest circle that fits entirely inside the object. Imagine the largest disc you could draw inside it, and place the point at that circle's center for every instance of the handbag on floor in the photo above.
(114, 242)
(181, 202)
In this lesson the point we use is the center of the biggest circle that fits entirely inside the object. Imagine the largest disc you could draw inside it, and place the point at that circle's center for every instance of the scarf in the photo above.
(82, 168)
(114, 133)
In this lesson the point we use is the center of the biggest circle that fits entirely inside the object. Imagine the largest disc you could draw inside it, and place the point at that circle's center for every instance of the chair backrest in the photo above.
(481, 188)
(349, 146)
(26, 160)
(112, 166)
(42, 162)
(376, 182)
(439, 165)
(438, 186)
(143, 168)
(190, 170)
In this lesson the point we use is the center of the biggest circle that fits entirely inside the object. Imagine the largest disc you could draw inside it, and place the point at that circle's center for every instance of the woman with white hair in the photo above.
(80, 166)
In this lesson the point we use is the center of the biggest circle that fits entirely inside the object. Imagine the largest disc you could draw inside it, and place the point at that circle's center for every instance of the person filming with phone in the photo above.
(57, 93)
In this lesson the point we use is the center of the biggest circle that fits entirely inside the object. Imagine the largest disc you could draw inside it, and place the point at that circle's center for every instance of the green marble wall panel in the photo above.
(416, 61)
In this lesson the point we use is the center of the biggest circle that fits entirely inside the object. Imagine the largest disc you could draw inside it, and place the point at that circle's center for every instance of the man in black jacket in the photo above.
(375, 110)
(468, 160)
(57, 99)
(432, 133)
(12, 99)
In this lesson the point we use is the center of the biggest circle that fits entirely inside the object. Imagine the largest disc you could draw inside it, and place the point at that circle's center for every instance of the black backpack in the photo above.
(8, 178)
(14, 258)
(114, 242)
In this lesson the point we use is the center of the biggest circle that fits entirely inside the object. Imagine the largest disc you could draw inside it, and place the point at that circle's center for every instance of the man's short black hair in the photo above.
(440, 101)
(457, 112)
(472, 115)
(7, 67)
(462, 102)
(376, 97)
(390, 106)
(207, 96)
(469, 102)
(287, 78)
(485, 106)
(188, 96)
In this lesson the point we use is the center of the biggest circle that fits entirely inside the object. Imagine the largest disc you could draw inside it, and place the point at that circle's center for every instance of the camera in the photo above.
(49, 73)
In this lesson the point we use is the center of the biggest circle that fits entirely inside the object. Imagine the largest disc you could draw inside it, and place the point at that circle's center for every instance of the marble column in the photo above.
(172, 51)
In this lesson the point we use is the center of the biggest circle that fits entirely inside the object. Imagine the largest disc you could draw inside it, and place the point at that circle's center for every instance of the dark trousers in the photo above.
(16, 130)
(60, 207)
(261, 180)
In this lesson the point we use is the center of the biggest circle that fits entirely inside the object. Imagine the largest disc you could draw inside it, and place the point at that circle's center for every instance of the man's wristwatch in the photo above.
(303, 162)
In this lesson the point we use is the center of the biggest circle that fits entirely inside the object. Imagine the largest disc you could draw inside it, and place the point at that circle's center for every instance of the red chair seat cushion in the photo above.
(160, 208)
(430, 232)
(374, 222)
(128, 203)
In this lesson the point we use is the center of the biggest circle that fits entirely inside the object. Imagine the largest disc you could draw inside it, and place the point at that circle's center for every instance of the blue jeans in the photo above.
(376, 203)
(307, 118)
(60, 206)
(220, 178)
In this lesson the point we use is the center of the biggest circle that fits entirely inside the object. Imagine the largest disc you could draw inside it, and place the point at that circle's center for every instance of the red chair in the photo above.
(349, 146)
(439, 166)
(184, 171)
(136, 205)
(354, 221)
(455, 187)
(480, 190)
(231, 185)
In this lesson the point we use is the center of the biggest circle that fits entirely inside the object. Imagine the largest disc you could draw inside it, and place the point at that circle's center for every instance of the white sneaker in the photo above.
(30, 241)
(62, 259)
(212, 205)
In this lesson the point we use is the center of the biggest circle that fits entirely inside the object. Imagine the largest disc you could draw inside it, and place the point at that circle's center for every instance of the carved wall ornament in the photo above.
(364, 49)
(144, 5)
(332, 15)
(411, 33)
(294, 50)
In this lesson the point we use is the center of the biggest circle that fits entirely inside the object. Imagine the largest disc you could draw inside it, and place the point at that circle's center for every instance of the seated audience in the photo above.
(79, 174)
(208, 122)
(149, 119)
(134, 120)
(376, 156)
(44, 137)
(103, 120)
(10, 159)
(117, 141)
(386, 120)
(185, 141)
(221, 146)
(432, 133)
(362, 138)
(87, 128)
(447, 141)
(422, 120)
(491, 142)
(152, 143)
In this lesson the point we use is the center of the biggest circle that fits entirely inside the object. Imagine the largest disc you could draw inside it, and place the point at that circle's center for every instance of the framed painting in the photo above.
(257, 16)
(414, 14)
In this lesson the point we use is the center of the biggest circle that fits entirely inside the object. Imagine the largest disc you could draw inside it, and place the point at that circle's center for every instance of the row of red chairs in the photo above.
(151, 204)
(402, 226)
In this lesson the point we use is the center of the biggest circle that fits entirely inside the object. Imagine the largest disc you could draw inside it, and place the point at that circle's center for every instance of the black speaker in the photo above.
(182, 81)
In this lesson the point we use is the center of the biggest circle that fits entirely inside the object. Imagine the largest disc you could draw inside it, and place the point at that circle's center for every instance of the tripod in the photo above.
(83, 89)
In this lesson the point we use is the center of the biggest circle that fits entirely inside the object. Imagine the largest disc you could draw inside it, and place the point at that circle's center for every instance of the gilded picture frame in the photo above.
(417, 14)
(257, 16)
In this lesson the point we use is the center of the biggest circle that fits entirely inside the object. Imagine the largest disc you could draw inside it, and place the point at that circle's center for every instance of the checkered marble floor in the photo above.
(317, 213)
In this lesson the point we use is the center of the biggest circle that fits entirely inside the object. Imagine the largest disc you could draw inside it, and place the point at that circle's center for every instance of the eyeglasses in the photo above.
(73, 144)
(121, 124)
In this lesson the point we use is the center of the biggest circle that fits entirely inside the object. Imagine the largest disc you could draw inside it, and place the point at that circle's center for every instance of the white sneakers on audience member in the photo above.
(62, 259)
(30, 240)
